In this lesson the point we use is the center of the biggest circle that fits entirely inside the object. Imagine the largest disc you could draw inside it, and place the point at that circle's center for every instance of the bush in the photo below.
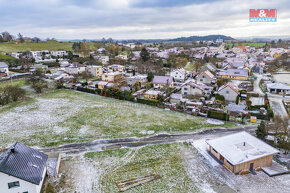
(218, 115)
(148, 102)
(10, 94)
(270, 113)
(219, 97)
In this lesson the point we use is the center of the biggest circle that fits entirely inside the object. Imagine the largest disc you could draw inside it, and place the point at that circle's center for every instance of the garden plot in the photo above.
(66, 116)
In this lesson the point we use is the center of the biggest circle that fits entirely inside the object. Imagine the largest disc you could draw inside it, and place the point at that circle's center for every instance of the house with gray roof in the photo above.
(162, 81)
(4, 71)
(22, 169)
(278, 88)
(236, 74)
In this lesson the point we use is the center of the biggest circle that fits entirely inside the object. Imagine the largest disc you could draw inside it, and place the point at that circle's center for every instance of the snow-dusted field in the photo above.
(66, 116)
(99, 171)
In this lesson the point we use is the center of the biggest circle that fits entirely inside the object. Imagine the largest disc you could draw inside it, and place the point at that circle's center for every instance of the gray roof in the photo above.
(3, 65)
(278, 85)
(235, 72)
(236, 108)
(24, 163)
(162, 80)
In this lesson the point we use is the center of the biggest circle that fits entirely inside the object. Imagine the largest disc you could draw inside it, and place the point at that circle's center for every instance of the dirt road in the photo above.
(98, 145)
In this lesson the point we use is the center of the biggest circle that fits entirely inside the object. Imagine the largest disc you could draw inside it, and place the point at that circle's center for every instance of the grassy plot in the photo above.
(33, 46)
(164, 160)
(18, 82)
(251, 44)
(66, 116)
(45, 45)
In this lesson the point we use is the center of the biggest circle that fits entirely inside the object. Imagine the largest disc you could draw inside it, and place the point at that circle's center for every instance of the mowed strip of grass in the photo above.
(123, 164)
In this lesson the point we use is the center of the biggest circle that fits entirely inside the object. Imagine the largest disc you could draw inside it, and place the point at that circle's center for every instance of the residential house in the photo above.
(112, 77)
(103, 59)
(237, 74)
(122, 57)
(175, 98)
(152, 94)
(58, 53)
(22, 169)
(116, 68)
(229, 91)
(210, 67)
(241, 152)
(194, 88)
(163, 81)
(138, 78)
(179, 74)
(278, 88)
(96, 71)
(234, 109)
(205, 77)
(75, 68)
(101, 85)
(4, 71)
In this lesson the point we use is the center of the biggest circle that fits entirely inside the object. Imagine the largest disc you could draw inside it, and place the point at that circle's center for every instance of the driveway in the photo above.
(257, 89)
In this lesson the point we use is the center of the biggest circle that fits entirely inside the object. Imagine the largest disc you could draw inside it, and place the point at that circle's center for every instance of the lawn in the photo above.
(66, 116)
(99, 171)
(252, 44)
(33, 46)
(18, 82)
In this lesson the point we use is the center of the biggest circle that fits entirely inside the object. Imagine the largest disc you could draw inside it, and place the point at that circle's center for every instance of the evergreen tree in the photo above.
(261, 131)
(144, 54)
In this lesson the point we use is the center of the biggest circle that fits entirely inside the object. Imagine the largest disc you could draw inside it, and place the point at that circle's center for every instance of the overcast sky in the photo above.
(142, 19)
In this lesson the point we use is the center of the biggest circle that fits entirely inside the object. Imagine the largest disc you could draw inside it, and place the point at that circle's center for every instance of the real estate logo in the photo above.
(263, 15)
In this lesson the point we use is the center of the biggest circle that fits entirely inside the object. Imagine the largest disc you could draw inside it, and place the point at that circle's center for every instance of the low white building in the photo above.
(22, 169)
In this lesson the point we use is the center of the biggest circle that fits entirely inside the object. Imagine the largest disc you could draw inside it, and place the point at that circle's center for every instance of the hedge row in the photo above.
(148, 102)
(218, 115)
(86, 90)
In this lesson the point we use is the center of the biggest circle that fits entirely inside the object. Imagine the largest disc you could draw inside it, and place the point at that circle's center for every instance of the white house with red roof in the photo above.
(229, 91)
(205, 77)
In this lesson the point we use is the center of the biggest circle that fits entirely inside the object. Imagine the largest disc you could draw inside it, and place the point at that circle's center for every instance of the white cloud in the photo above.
(93, 19)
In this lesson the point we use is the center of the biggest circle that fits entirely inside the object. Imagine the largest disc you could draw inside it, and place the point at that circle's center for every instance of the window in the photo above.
(203, 76)
(201, 80)
(13, 184)
(25, 192)
(185, 93)
(227, 92)
(185, 88)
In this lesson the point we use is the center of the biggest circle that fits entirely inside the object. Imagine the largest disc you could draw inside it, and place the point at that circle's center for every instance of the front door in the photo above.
(251, 166)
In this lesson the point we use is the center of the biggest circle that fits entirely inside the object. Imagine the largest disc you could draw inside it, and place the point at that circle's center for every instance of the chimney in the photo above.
(12, 149)
(244, 143)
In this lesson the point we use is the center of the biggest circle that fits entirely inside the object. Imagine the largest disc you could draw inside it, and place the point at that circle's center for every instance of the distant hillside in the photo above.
(202, 38)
